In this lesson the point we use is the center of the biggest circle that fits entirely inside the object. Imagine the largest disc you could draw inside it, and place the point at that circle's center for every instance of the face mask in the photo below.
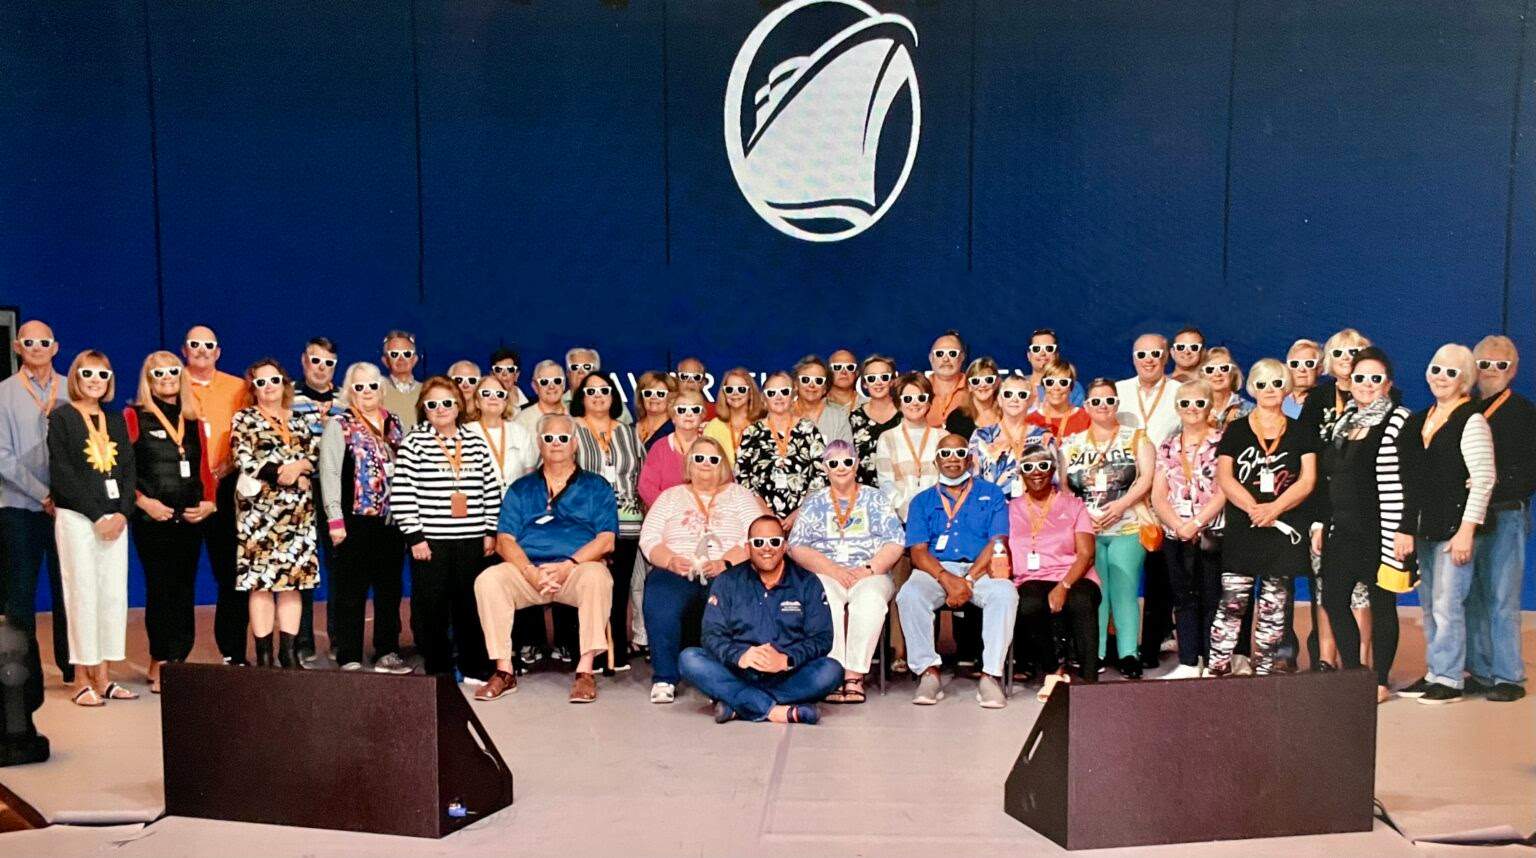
(958, 480)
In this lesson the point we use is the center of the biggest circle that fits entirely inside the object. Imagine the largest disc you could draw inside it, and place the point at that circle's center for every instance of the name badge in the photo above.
(112, 493)
(185, 468)
(1267, 482)
(941, 542)
(458, 504)
(1032, 561)
(1101, 482)
(544, 519)
(389, 469)
(843, 553)
(1184, 508)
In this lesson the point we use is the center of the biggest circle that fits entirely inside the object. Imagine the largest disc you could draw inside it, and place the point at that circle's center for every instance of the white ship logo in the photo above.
(808, 162)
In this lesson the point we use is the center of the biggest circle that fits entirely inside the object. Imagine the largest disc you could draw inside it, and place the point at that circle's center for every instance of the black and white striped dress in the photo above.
(421, 492)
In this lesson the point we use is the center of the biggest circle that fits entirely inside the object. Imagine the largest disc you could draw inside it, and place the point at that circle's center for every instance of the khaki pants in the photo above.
(502, 590)
(899, 575)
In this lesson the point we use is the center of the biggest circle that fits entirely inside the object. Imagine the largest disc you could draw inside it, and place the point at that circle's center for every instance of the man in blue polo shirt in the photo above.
(557, 526)
(767, 632)
(956, 531)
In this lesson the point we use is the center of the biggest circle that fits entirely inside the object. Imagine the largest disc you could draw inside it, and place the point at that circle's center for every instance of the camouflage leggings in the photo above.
(1268, 621)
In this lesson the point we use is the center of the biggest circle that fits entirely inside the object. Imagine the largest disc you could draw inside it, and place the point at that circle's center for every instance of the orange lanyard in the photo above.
(1187, 464)
(837, 509)
(1432, 427)
(456, 458)
(604, 440)
(1038, 521)
(1497, 404)
(1007, 441)
(1141, 403)
(100, 451)
(176, 435)
(498, 449)
(780, 439)
(907, 436)
(1258, 436)
(1101, 453)
(736, 436)
(951, 511)
(53, 393)
(281, 425)
(707, 510)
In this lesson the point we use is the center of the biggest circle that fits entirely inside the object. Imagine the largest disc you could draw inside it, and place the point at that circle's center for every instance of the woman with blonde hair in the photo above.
(1326, 401)
(980, 408)
(175, 494)
(876, 414)
(1226, 379)
(741, 404)
(656, 391)
(1304, 360)
(1056, 412)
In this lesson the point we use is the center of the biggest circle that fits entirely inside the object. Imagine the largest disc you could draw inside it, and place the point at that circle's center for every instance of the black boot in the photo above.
(264, 651)
(1130, 667)
(285, 654)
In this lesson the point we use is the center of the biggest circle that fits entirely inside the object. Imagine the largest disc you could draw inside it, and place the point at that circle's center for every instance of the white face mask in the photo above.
(958, 480)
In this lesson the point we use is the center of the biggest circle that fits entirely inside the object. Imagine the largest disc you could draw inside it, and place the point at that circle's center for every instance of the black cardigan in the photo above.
(73, 483)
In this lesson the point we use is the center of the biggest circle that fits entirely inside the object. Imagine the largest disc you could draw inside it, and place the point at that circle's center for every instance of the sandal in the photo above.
(1050, 684)
(117, 692)
(93, 700)
(853, 690)
(838, 696)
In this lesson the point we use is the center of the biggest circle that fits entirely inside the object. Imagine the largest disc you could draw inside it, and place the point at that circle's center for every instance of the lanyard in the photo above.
(1187, 464)
(706, 510)
(100, 449)
(907, 436)
(498, 449)
(951, 511)
(780, 440)
(1141, 403)
(176, 435)
(1101, 453)
(1258, 436)
(604, 439)
(1497, 404)
(552, 497)
(1432, 426)
(281, 425)
(1038, 516)
(53, 393)
(837, 509)
(456, 458)
(1006, 440)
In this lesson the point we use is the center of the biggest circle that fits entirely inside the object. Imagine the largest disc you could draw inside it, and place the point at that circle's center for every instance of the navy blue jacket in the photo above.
(793, 616)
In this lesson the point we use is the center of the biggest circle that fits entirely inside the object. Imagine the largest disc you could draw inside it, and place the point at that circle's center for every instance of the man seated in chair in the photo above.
(956, 531)
(557, 525)
(767, 632)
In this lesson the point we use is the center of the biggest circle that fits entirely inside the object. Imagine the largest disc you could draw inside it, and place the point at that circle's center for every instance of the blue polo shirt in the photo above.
(793, 616)
(982, 518)
(550, 530)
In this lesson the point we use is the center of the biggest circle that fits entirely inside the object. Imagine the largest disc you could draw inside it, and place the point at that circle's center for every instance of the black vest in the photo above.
(159, 464)
(1442, 477)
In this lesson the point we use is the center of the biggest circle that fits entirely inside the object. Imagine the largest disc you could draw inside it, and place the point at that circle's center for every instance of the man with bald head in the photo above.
(219, 396)
(692, 375)
(26, 510)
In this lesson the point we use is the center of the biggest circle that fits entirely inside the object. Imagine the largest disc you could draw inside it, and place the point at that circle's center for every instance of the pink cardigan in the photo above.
(662, 470)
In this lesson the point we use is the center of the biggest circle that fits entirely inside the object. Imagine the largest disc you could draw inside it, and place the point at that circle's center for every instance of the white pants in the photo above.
(865, 603)
(95, 578)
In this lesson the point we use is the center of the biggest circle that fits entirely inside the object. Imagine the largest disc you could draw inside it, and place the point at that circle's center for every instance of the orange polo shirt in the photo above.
(217, 403)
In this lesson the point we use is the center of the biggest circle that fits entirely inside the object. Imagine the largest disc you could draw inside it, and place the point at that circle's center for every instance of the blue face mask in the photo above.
(958, 480)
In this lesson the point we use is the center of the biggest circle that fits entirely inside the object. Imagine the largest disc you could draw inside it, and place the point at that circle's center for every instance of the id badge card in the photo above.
(1100, 482)
(941, 543)
(1267, 481)
(1184, 507)
(1032, 561)
(458, 504)
(544, 519)
(389, 469)
(184, 467)
(112, 493)
(843, 553)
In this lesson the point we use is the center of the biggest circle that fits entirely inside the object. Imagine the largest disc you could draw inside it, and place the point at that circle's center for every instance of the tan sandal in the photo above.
(853, 690)
(1051, 682)
(87, 696)
(117, 692)
(838, 696)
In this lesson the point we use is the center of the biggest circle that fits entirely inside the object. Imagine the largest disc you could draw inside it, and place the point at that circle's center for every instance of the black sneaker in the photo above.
(1505, 692)
(724, 712)
(1438, 694)
(1473, 688)
(1130, 667)
(1417, 689)
(564, 654)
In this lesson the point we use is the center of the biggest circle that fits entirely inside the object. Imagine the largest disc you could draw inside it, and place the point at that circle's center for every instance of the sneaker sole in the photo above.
(991, 704)
(1428, 702)
(479, 699)
(927, 701)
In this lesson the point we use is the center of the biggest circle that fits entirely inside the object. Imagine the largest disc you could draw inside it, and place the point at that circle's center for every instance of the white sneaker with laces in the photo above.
(1184, 671)
(663, 692)
(391, 663)
(352, 665)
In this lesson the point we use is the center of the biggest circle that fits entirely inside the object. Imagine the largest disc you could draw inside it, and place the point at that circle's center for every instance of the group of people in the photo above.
(750, 540)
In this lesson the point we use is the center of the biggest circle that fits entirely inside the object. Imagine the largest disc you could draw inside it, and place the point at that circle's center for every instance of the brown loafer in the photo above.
(500, 683)
(584, 688)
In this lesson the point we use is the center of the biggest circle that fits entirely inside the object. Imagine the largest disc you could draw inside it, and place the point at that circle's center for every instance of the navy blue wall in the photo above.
(543, 173)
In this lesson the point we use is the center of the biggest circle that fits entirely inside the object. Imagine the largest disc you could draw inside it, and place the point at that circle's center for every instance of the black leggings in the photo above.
(1047, 641)
(444, 616)
(370, 557)
(1194, 575)
(1347, 558)
(169, 551)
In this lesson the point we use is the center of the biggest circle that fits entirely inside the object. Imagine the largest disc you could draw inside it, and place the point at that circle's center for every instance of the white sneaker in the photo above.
(1185, 671)
(352, 665)
(1169, 645)
(391, 663)
(663, 692)
(989, 693)
(930, 689)
(1242, 666)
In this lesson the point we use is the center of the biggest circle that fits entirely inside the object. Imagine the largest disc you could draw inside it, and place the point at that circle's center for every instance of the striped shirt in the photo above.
(1477, 452)
(421, 493)
(676, 521)
(905, 463)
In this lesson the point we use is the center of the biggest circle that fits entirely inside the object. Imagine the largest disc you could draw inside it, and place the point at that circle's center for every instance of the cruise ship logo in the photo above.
(805, 150)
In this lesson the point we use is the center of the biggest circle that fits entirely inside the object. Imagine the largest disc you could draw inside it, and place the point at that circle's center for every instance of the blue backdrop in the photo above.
(547, 173)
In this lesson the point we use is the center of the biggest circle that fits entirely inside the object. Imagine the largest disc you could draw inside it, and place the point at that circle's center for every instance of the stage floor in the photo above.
(625, 777)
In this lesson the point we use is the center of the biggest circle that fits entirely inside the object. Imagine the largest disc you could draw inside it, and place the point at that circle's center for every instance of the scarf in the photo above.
(1366, 418)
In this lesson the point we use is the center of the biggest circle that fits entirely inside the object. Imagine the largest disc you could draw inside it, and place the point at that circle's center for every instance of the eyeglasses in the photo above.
(1300, 363)
(438, 404)
(1103, 401)
(844, 367)
(1338, 353)
(774, 392)
(1194, 403)
(705, 458)
(316, 360)
(1144, 354)
(360, 386)
(205, 345)
(872, 377)
(551, 438)
(735, 390)
(1274, 383)
(581, 367)
(687, 409)
(1056, 382)
(911, 398)
(1031, 467)
(1213, 368)
(766, 541)
(492, 393)
(846, 462)
(654, 393)
(550, 381)
(1013, 393)
(1373, 378)
(817, 380)
(401, 354)
(981, 380)
(690, 376)
(1042, 348)
(165, 371)
(953, 453)
(946, 353)
(605, 390)
(268, 381)
(39, 343)
(462, 380)
(505, 369)
(1447, 371)
(88, 372)
(1188, 347)
(1500, 365)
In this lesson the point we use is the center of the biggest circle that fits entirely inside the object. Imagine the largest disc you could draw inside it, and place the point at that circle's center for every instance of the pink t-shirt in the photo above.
(1056, 543)
(662, 470)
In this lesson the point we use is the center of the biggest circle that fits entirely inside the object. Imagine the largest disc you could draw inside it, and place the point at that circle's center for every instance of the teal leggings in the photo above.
(1118, 561)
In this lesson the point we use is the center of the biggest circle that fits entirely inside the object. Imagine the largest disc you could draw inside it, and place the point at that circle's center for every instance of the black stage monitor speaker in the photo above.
(1184, 761)
(326, 749)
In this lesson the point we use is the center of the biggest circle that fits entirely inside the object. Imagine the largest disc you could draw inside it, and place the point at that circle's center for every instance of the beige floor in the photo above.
(625, 777)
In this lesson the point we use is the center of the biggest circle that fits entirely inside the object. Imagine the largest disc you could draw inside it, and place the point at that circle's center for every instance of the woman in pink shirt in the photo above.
(1051, 546)
(663, 466)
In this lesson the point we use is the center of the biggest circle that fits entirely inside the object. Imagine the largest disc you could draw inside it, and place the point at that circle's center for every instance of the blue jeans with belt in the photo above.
(751, 693)
(1443, 589)
(1493, 603)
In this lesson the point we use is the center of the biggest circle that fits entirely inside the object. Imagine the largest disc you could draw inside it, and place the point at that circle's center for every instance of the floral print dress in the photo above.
(782, 471)
(275, 527)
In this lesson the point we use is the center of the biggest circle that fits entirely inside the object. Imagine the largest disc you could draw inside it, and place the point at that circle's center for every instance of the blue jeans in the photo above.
(1493, 605)
(1443, 588)
(671, 602)
(751, 693)
(922, 596)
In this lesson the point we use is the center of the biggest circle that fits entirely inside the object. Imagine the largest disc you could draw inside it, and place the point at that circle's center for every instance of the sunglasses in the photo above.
(871, 378)
(766, 541)
(551, 438)
(1103, 401)
(1302, 363)
(845, 462)
(492, 393)
(953, 453)
(981, 380)
(773, 392)
(316, 360)
(1194, 403)
(1032, 467)
(705, 458)
(1056, 382)
(1042, 349)
(1447, 371)
(1213, 368)
(470, 380)
(1500, 365)
(654, 393)
(551, 381)
(360, 386)
(1338, 353)
(813, 379)
(605, 390)
(690, 376)
(41, 343)
(1013, 394)
(439, 404)
(505, 369)
(735, 390)
(687, 409)
(581, 367)
(401, 354)
(910, 398)
(1143, 354)
(1274, 384)
(1373, 378)
(269, 381)
(88, 372)
(205, 345)
(165, 371)
(844, 367)
(946, 353)
(1187, 347)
